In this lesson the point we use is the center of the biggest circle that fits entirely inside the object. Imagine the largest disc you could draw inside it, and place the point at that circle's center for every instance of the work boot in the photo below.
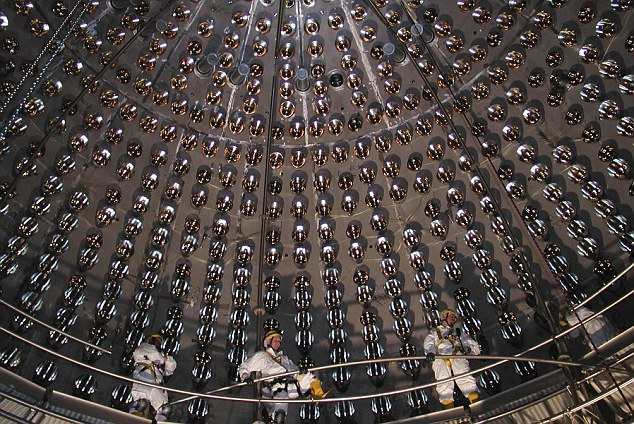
(447, 403)
(138, 408)
(473, 397)
(279, 418)
(317, 391)
(163, 413)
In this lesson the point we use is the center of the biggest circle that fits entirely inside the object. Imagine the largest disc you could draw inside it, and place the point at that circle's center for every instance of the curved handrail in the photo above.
(605, 286)
(501, 359)
(37, 408)
(587, 403)
(583, 321)
(212, 395)
(551, 395)
(50, 327)
(101, 371)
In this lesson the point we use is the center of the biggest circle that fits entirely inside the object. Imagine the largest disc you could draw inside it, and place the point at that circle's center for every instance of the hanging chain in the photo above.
(41, 73)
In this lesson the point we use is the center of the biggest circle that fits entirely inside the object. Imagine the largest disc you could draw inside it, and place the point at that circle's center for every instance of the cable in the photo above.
(40, 144)
(501, 359)
(46, 48)
(212, 394)
(548, 314)
(259, 310)
(550, 321)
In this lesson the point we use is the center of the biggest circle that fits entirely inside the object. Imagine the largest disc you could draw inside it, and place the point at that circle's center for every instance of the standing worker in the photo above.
(272, 361)
(446, 340)
(151, 365)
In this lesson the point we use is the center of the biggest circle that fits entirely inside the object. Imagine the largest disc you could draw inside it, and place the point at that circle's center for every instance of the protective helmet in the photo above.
(266, 340)
(155, 336)
(444, 314)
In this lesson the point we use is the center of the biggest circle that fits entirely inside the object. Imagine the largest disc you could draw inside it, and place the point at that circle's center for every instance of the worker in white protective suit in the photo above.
(599, 329)
(151, 365)
(447, 341)
(272, 361)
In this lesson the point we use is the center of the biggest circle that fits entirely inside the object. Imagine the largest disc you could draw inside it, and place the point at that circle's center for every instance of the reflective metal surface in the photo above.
(348, 169)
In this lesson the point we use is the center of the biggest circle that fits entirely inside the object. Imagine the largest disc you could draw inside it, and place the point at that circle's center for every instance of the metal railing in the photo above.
(50, 327)
(213, 394)
(499, 360)
(38, 409)
(588, 403)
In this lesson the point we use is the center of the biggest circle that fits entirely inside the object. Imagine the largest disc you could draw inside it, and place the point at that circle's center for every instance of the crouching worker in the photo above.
(272, 361)
(595, 331)
(447, 341)
(151, 365)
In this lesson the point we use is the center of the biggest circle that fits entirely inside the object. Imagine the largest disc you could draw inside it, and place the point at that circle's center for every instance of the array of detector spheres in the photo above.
(342, 171)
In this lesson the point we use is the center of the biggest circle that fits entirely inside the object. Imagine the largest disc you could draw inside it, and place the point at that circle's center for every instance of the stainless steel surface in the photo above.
(203, 167)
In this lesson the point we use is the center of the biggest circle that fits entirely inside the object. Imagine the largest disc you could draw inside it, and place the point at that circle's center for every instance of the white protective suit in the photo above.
(443, 341)
(600, 331)
(151, 366)
(599, 328)
(268, 363)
